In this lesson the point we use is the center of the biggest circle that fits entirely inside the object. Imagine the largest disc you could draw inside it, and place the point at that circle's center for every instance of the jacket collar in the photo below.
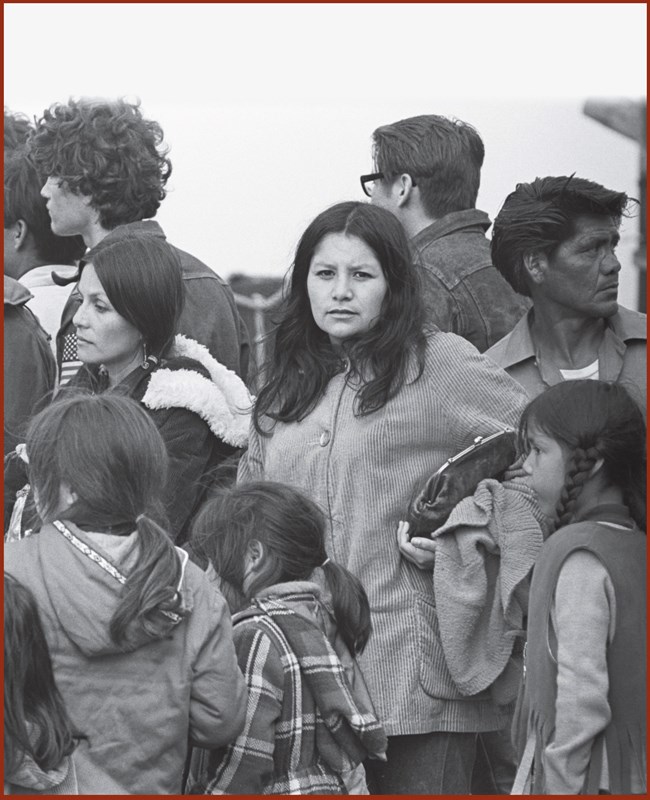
(450, 223)
(222, 400)
(15, 293)
(147, 226)
(42, 276)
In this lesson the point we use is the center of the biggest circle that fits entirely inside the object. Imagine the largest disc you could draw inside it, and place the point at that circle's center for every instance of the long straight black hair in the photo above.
(303, 358)
(291, 529)
(143, 281)
(36, 721)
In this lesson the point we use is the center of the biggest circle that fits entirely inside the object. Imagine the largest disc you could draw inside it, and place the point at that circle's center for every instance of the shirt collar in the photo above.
(622, 327)
(519, 346)
(450, 223)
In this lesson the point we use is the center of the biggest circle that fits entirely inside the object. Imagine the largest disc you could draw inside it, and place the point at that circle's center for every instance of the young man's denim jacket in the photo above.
(463, 292)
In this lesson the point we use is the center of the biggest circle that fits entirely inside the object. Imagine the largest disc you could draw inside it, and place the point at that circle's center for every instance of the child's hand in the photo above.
(515, 471)
(419, 551)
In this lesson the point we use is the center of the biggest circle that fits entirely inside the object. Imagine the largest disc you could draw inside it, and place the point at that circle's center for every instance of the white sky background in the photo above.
(269, 108)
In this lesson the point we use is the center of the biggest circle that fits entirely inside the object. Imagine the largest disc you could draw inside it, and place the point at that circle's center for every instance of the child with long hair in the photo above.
(583, 701)
(309, 721)
(42, 752)
(140, 640)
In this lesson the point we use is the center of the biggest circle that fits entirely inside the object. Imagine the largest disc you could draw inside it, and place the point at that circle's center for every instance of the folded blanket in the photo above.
(484, 555)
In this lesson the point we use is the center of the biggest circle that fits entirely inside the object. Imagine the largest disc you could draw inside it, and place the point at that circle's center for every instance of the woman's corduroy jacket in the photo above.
(362, 471)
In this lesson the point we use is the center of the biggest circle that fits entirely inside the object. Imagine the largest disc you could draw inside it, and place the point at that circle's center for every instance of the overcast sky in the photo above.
(269, 108)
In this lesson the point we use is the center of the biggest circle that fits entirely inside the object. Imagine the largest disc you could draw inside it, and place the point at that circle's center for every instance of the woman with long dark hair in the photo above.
(362, 401)
(131, 301)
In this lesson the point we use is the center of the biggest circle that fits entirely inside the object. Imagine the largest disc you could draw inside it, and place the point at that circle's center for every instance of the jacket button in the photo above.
(325, 438)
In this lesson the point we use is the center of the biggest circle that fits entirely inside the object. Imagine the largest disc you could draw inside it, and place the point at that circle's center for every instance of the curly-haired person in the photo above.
(105, 168)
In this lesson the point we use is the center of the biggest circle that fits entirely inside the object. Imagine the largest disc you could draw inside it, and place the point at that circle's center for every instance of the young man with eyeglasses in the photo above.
(428, 170)
(105, 167)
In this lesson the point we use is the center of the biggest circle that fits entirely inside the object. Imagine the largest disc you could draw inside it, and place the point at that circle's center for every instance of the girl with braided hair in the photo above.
(582, 725)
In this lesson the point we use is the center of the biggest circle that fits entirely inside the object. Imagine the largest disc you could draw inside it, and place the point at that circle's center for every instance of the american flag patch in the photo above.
(69, 362)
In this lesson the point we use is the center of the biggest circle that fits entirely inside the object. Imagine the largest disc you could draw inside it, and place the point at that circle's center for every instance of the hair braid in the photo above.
(578, 470)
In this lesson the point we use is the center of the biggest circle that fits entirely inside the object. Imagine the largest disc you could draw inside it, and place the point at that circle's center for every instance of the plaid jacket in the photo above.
(305, 724)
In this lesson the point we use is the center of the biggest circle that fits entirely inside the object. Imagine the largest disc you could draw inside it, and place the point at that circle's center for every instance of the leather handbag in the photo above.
(487, 457)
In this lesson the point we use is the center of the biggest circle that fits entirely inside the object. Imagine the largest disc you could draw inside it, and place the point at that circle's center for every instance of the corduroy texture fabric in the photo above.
(305, 725)
(624, 739)
(362, 471)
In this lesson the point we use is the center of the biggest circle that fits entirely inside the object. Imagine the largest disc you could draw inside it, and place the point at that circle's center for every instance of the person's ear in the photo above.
(67, 496)
(404, 189)
(255, 553)
(20, 231)
(536, 265)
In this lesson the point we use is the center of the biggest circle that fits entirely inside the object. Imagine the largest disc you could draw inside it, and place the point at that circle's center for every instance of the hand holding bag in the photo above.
(487, 457)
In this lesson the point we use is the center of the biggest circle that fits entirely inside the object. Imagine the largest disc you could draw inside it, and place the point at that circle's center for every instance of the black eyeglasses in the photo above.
(375, 176)
(365, 179)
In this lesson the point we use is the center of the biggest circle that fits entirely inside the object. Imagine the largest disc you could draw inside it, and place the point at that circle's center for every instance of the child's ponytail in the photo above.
(151, 586)
(351, 606)
(291, 529)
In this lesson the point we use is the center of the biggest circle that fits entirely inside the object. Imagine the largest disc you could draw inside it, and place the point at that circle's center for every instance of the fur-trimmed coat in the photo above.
(202, 410)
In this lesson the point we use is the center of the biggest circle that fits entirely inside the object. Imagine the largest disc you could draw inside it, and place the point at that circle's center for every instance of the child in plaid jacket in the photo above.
(309, 719)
